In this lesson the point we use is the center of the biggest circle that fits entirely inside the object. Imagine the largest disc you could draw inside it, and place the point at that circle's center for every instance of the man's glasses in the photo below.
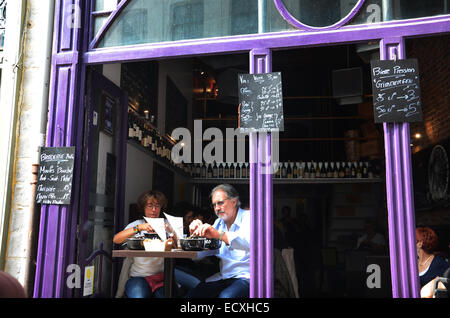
(219, 203)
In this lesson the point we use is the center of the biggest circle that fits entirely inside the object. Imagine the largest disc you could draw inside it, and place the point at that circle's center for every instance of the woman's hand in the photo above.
(145, 227)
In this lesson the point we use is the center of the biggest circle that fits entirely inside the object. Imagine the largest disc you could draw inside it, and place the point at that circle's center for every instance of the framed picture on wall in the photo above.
(107, 114)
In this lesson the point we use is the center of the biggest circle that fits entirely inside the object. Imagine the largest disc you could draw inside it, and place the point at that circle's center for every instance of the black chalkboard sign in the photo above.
(396, 91)
(55, 175)
(261, 99)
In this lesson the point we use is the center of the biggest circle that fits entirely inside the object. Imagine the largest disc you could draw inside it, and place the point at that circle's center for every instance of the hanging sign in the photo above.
(88, 288)
(396, 91)
(55, 175)
(261, 100)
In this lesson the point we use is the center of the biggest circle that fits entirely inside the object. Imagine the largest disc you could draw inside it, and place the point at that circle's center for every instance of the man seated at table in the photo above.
(233, 228)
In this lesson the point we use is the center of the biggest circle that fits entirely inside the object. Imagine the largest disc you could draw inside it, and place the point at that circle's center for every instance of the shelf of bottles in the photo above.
(143, 134)
(288, 172)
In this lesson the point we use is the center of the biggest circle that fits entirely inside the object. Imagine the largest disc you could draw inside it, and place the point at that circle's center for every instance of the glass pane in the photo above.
(2, 23)
(318, 13)
(105, 5)
(374, 11)
(152, 21)
(99, 5)
(98, 23)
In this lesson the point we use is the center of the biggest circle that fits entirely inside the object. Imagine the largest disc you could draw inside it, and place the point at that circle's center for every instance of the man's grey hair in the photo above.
(229, 190)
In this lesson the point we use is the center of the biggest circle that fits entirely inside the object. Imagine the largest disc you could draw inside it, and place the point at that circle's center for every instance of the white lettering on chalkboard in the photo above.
(261, 100)
(396, 91)
(55, 175)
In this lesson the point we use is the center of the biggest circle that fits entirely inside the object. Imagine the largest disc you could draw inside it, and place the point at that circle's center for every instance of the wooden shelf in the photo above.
(293, 118)
(289, 97)
(288, 181)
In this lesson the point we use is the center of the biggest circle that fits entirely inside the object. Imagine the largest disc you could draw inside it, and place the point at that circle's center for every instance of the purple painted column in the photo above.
(400, 200)
(261, 197)
(56, 247)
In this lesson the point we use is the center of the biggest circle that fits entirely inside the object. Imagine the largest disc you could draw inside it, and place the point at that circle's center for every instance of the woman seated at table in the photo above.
(146, 273)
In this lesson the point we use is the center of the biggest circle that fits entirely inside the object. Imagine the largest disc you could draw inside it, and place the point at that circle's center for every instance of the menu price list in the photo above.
(55, 175)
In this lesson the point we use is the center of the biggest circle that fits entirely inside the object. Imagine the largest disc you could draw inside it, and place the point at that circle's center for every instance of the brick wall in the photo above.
(433, 54)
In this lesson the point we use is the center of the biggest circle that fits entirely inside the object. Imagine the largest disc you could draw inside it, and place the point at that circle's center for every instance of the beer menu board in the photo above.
(261, 100)
(55, 175)
(396, 91)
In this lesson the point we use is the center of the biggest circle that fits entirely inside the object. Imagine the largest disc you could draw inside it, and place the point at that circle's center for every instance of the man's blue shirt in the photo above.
(235, 257)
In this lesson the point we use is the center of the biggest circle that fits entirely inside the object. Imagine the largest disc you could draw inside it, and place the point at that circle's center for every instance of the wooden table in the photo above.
(169, 262)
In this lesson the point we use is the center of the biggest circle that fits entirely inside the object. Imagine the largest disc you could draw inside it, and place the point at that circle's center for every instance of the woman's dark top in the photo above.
(437, 268)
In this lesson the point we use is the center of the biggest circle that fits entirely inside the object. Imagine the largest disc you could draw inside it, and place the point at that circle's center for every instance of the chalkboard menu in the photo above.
(55, 174)
(396, 91)
(261, 100)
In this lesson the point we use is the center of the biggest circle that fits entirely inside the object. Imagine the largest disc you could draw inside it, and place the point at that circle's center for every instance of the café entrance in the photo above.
(275, 26)
(134, 107)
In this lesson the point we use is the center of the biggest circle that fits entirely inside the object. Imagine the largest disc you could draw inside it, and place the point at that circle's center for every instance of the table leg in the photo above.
(168, 277)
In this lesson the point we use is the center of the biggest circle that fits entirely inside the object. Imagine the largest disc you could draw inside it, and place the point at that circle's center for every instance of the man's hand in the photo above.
(206, 230)
(194, 225)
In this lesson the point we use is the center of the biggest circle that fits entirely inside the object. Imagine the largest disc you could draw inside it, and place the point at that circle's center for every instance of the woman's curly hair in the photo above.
(157, 195)
(428, 237)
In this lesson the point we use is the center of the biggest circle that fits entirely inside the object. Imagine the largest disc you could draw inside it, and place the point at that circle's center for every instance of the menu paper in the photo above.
(176, 223)
(158, 225)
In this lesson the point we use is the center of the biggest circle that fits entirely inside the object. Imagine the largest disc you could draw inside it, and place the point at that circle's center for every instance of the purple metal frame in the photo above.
(58, 224)
(73, 51)
(261, 197)
(400, 198)
(98, 85)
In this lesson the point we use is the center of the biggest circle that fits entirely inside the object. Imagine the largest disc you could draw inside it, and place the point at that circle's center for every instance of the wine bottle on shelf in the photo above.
(312, 171)
(341, 169)
(130, 126)
(227, 170)
(352, 170)
(365, 170)
(336, 170)
(289, 170)
(203, 170)
(243, 171)
(359, 170)
(144, 141)
(323, 169)
(220, 170)
(370, 173)
(318, 166)
(330, 170)
(330, 173)
(232, 170)
(209, 173)
(347, 169)
(295, 170)
(307, 170)
(283, 170)
(215, 170)
(301, 171)
(139, 131)
(247, 167)
(278, 171)
(238, 170)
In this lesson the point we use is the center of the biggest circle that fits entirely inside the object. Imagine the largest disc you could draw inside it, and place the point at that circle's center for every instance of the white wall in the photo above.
(139, 164)
(31, 124)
